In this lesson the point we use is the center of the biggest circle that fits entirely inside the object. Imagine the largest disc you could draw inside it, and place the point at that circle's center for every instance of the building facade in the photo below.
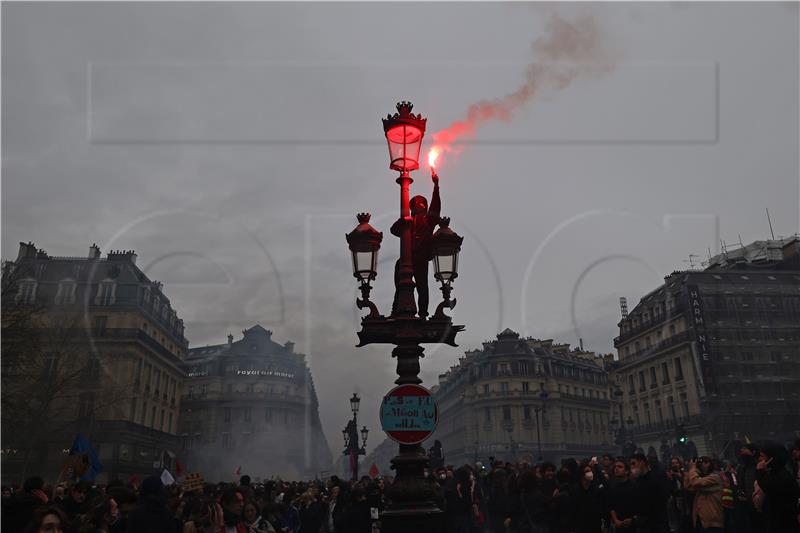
(713, 355)
(517, 396)
(251, 404)
(90, 345)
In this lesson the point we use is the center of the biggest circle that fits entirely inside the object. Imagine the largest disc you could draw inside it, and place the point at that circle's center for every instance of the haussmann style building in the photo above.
(712, 356)
(91, 345)
(250, 404)
(516, 395)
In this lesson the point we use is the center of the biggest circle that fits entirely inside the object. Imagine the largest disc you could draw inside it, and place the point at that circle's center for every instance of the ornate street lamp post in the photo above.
(350, 434)
(411, 497)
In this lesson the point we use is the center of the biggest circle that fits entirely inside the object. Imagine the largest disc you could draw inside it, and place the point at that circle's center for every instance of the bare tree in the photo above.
(54, 381)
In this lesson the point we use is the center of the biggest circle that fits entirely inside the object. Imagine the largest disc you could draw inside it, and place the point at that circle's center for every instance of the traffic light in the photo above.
(680, 435)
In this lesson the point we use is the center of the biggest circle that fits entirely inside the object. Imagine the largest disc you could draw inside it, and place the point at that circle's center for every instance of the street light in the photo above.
(446, 245)
(350, 434)
(404, 132)
(364, 242)
(411, 500)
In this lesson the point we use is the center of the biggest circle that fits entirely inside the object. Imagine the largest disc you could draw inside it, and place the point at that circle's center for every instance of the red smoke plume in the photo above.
(568, 50)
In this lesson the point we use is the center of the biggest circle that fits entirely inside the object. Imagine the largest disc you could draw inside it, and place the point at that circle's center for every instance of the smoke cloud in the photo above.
(569, 50)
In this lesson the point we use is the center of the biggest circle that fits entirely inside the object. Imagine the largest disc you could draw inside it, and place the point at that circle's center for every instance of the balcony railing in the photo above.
(669, 342)
(650, 324)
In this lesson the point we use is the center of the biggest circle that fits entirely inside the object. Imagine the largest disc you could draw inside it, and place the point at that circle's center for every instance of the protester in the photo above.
(781, 492)
(46, 520)
(706, 484)
(151, 514)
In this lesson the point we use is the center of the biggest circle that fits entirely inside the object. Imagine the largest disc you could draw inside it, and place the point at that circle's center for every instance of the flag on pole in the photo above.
(81, 446)
(238, 471)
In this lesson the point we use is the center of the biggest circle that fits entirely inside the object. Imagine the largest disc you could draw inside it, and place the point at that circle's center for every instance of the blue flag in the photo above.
(82, 446)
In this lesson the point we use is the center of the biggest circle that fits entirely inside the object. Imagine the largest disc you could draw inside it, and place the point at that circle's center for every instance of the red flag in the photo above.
(178, 467)
(373, 471)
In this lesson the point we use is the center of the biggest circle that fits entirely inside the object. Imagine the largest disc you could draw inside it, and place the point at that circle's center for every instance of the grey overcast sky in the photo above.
(208, 137)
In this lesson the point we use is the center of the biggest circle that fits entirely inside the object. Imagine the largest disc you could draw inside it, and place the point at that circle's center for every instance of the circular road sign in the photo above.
(409, 414)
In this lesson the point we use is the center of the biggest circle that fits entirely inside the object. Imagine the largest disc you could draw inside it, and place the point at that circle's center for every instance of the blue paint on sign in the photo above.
(408, 413)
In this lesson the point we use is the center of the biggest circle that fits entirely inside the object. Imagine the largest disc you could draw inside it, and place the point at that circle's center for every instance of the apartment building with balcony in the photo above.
(90, 345)
(516, 395)
(715, 353)
(251, 403)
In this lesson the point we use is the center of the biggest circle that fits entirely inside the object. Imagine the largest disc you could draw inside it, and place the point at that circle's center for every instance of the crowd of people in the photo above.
(758, 494)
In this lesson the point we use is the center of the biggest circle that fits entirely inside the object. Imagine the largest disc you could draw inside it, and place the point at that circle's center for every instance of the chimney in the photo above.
(230, 339)
(581, 341)
(94, 251)
(289, 346)
(26, 250)
(623, 306)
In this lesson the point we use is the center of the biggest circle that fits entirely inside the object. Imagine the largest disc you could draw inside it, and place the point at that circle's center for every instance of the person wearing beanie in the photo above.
(780, 490)
(151, 515)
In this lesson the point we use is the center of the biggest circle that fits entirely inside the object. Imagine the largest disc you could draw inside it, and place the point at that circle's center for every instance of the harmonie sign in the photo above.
(409, 414)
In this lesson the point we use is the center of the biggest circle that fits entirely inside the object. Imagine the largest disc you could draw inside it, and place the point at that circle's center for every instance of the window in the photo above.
(99, 325)
(488, 414)
(503, 369)
(144, 412)
(664, 373)
(26, 293)
(504, 387)
(653, 380)
(659, 412)
(153, 416)
(685, 403)
(66, 292)
(203, 390)
(85, 405)
(133, 410)
(526, 386)
(226, 441)
(672, 329)
(251, 388)
(161, 424)
(506, 413)
(678, 369)
(106, 291)
(226, 414)
(486, 389)
(190, 393)
(631, 386)
(169, 426)
(247, 414)
(229, 388)
(642, 385)
(647, 414)
(671, 406)
(523, 368)
(268, 415)
(526, 412)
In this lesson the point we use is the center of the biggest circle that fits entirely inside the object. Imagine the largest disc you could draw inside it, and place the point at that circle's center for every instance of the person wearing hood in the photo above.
(151, 515)
(780, 489)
